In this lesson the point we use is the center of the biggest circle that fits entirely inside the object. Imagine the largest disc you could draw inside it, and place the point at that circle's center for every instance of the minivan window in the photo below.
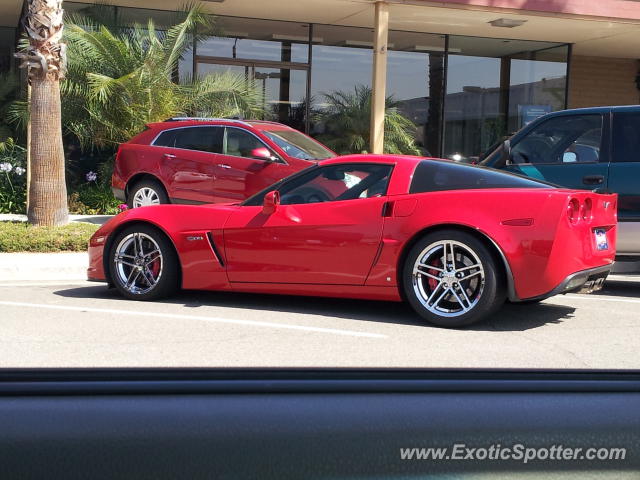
(626, 137)
(562, 139)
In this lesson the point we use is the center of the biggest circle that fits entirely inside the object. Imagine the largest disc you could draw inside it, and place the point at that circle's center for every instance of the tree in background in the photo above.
(120, 80)
(346, 119)
(44, 55)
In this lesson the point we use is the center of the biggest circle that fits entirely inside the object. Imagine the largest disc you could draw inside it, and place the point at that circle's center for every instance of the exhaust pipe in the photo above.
(591, 286)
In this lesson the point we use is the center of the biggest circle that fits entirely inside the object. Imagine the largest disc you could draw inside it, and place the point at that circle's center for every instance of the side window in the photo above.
(203, 139)
(240, 143)
(626, 137)
(563, 139)
(167, 138)
(335, 183)
(440, 175)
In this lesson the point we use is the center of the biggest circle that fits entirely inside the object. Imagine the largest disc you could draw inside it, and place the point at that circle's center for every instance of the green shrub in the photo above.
(13, 193)
(93, 199)
(24, 237)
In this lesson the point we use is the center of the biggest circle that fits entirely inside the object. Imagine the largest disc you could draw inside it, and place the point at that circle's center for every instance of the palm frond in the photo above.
(347, 119)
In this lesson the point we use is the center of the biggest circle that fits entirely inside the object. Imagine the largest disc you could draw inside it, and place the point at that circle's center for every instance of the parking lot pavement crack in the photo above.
(554, 347)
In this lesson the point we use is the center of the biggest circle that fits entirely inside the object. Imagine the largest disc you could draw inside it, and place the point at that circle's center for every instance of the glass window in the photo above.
(167, 138)
(563, 139)
(472, 106)
(204, 139)
(337, 182)
(436, 176)
(185, 64)
(239, 143)
(626, 137)
(513, 82)
(537, 83)
(284, 89)
(342, 62)
(249, 38)
(415, 82)
(298, 145)
(7, 46)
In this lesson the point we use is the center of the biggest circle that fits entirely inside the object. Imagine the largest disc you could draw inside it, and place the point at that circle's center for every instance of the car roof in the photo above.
(603, 109)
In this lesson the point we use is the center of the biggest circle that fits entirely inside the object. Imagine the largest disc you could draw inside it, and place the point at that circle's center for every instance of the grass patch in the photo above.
(24, 237)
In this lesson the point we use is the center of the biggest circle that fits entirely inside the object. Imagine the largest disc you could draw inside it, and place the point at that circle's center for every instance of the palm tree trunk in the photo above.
(45, 59)
(47, 191)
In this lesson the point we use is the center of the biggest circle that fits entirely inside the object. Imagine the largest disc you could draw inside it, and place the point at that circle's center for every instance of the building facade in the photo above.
(466, 72)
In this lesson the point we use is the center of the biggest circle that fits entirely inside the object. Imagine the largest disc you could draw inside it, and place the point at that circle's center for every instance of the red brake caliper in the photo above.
(155, 267)
(433, 283)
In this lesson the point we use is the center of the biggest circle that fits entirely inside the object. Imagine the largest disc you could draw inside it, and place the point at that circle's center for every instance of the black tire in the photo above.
(485, 298)
(167, 281)
(152, 185)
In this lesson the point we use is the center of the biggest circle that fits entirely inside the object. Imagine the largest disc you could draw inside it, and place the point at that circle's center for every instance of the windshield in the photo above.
(298, 145)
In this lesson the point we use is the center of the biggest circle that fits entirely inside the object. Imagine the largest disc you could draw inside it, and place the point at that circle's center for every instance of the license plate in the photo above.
(601, 239)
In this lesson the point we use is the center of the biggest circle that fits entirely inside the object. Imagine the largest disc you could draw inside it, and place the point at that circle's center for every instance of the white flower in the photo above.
(91, 176)
(5, 167)
(19, 170)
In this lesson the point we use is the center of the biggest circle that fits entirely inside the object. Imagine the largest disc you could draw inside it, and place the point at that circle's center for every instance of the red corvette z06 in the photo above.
(453, 240)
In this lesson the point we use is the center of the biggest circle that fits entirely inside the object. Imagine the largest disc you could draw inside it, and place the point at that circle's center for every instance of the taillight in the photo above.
(586, 211)
(573, 210)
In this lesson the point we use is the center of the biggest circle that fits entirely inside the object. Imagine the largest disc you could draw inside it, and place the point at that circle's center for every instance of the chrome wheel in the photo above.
(138, 263)
(448, 278)
(146, 196)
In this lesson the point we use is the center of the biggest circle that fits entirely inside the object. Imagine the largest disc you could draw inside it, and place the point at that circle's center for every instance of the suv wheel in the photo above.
(145, 193)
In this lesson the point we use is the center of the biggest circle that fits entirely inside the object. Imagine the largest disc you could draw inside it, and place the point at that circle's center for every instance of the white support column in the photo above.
(379, 82)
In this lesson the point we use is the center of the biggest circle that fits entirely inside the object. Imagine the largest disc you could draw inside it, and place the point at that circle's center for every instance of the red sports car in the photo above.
(453, 240)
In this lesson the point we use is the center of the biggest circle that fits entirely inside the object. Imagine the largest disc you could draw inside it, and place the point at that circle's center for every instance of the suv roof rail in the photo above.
(206, 119)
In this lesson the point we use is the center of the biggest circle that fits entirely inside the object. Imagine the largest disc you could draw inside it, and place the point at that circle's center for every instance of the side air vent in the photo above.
(214, 249)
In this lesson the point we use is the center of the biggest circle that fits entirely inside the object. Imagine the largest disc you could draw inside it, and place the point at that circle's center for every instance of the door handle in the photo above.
(224, 165)
(169, 155)
(593, 179)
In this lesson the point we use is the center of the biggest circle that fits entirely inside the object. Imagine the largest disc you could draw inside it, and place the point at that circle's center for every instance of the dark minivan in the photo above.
(587, 148)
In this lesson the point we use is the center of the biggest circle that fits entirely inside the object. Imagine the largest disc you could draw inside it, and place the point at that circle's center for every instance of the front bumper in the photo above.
(584, 281)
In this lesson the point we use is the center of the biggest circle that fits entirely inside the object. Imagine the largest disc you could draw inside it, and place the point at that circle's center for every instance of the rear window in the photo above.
(439, 175)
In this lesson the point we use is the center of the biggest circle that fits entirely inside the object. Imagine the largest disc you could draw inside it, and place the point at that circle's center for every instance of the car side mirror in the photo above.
(262, 153)
(569, 157)
(271, 202)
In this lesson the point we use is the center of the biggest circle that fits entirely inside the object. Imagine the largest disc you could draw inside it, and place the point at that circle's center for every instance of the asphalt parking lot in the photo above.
(82, 324)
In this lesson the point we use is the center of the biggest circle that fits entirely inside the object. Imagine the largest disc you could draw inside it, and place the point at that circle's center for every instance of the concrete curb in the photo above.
(43, 266)
(95, 219)
(46, 266)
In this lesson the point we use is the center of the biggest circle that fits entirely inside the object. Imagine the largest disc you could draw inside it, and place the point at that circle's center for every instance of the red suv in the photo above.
(195, 160)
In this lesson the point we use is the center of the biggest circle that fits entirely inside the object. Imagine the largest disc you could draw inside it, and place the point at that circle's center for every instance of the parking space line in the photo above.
(601, 298)
(252, 323)
(52, 283)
